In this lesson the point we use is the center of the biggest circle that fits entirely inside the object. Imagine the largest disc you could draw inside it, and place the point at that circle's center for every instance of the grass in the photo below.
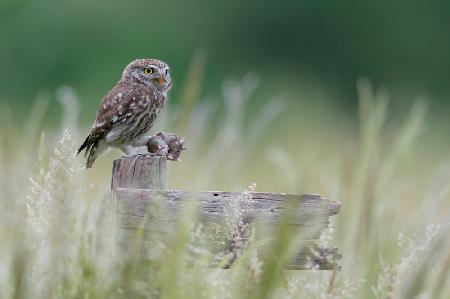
(57, 225)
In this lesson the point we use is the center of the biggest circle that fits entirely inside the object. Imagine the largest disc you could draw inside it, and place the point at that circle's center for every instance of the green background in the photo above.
(297, 47)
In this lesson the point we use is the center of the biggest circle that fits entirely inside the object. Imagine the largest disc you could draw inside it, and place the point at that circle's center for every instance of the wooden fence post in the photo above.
(138, 181)
(140, 172)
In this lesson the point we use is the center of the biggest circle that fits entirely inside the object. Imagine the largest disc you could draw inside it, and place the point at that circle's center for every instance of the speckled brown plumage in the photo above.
(129, 109)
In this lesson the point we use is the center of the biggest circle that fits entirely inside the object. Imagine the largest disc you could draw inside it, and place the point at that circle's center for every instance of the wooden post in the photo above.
(140, 172)
(139, 183)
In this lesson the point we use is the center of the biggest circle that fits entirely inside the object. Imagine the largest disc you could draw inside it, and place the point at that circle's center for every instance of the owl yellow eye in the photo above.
(148, 70)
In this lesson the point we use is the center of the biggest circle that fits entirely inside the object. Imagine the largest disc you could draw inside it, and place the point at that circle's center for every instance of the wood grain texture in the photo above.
(159, 211)
(307, 209)
(140, 172)
(144, 208)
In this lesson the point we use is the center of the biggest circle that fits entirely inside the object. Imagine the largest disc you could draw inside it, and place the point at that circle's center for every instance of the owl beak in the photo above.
(160, 80)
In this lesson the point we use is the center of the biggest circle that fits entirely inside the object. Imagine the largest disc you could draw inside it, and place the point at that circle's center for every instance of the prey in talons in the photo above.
(166, 144)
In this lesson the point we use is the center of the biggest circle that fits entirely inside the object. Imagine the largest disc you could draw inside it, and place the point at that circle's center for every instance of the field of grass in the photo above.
(57, 226)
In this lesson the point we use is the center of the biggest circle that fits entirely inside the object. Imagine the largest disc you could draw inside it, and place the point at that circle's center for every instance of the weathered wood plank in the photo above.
(308, 214)
(139, 184)
(311, 209)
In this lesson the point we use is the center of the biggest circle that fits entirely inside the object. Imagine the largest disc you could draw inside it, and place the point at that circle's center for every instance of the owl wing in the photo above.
(118, 103)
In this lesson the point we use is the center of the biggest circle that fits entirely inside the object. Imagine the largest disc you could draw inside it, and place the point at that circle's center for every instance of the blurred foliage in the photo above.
(58, 232)
(293, 128)
(293, 45)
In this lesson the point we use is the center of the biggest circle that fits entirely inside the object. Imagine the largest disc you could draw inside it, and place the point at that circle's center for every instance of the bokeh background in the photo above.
(312, 48)
(310, 53)
(348, 99)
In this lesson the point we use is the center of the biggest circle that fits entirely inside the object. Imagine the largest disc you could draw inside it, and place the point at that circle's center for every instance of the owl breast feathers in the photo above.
(129, 109)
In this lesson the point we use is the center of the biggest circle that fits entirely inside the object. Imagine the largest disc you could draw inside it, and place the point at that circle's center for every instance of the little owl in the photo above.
(128, 111)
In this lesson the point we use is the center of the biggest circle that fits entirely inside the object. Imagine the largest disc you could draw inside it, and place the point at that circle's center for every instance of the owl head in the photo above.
(151, 72)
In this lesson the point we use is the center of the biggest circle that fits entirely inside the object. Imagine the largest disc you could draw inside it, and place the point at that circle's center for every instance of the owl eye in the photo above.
(148, 70)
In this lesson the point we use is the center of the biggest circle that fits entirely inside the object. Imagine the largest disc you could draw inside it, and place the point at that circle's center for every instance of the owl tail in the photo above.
(91, 148)
(84, 145)
(91, 158)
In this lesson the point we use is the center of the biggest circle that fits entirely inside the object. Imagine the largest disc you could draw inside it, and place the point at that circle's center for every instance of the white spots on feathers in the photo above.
(98, 125)
(128, 114)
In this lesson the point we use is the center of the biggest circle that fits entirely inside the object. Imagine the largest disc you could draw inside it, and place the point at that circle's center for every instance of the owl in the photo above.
(129, 110)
